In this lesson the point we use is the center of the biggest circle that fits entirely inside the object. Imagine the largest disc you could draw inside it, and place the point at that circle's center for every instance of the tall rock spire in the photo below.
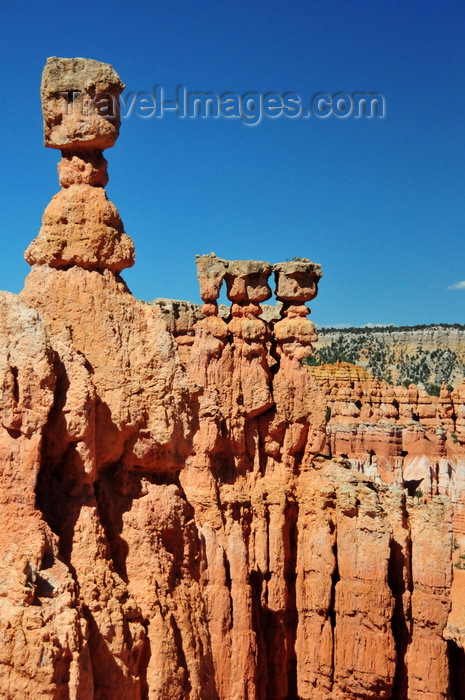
(81, 226)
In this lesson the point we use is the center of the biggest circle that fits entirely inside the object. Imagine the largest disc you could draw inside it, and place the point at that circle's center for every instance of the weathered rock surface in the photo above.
(171, 525)
(80, 104)
(82, 227)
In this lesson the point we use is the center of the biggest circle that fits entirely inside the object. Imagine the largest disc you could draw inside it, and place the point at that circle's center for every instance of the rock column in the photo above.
(300, 406)
(81, 226)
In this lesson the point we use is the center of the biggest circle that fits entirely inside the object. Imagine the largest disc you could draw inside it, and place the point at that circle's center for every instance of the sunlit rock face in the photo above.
(80, 104)
(172, 526)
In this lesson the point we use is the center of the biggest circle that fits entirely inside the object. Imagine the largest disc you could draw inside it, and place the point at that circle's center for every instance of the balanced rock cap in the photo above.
(297, 280)
(80, 103)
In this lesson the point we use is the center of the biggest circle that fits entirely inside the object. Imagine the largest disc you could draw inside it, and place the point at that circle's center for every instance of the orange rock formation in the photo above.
(395, 434)
(171, 527)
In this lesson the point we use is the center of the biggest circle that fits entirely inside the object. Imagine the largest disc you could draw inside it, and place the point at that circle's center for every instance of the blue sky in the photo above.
(379, 203)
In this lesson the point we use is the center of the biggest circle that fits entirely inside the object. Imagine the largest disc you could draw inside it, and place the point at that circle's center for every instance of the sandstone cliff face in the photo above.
(171, 526)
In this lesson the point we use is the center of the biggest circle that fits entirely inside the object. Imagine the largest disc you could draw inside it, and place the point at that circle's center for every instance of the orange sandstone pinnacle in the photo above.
(81, 226)
(172, 525)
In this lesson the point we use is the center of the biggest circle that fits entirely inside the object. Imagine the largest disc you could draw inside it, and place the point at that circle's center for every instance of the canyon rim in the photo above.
(188, 511)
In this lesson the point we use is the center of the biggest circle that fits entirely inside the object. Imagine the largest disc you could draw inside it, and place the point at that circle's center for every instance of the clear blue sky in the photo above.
(379, 203)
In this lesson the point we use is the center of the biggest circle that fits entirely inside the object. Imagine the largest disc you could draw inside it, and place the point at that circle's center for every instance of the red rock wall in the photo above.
(205, 552)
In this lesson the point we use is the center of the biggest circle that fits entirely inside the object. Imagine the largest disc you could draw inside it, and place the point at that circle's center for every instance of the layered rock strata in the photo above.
(172, 528)
(397, 434)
